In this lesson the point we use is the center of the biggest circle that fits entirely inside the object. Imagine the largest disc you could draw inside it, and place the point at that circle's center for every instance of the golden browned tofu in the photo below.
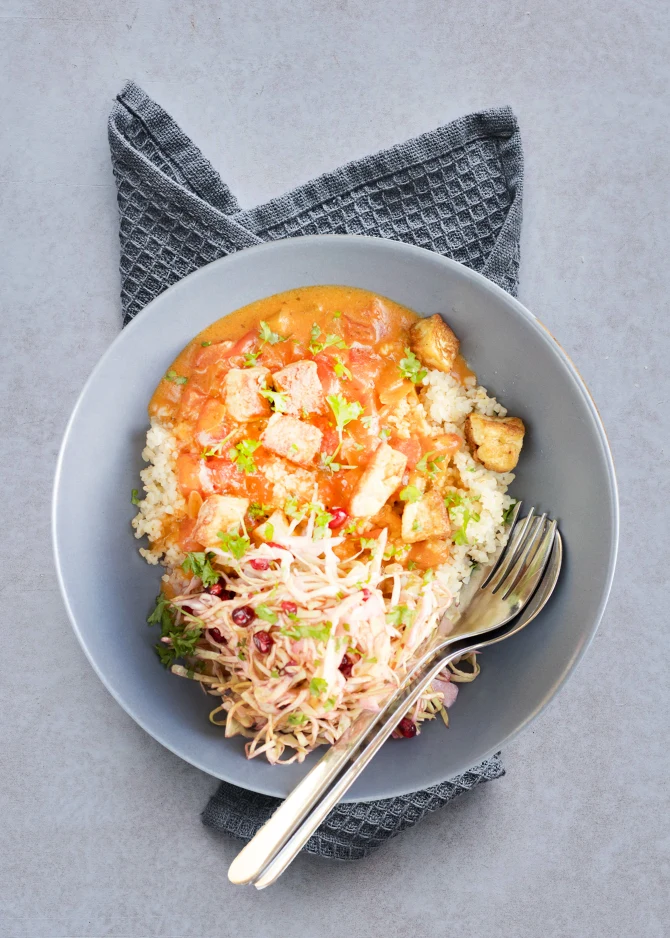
(495, 442)
(244, 400)
(300, 383)
(218, 513)
(295, 440)
(382, 476)
(434, 343)
(274, 529)
(425, 518)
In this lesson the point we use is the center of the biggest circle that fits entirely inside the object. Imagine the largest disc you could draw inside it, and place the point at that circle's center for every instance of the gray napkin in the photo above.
(455, 190)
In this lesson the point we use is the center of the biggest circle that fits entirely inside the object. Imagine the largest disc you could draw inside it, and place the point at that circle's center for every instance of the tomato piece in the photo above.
(188, 474)
(185, 535)
(247, 343)
(325, 369)
(366, 366)
(411, 448)
(356, 330)
(211, 426)
(212, 354)
(222, 476)
(191, 402)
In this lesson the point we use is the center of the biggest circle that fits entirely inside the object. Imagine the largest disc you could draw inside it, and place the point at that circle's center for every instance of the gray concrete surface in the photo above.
(100, 826)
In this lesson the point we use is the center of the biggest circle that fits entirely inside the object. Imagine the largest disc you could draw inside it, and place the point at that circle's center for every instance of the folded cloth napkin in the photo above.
(455, 190)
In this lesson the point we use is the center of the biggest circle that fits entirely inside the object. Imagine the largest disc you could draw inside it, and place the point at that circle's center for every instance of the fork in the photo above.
(492, 599)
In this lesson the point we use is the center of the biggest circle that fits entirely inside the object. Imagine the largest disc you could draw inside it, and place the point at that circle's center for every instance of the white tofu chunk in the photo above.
(291, 438)
(242, 388)
(274, 529)
(381, 478)
(425, 519)
(218, 513)
(301, 385)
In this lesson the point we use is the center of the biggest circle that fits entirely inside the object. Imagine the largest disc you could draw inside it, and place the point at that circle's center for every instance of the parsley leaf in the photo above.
(507, 513)
(264, 612)
(242, 455)
(429, 464)
(175, 378)
(320, 633)
(367, 421)
(268, 531)
(401, 615)
(250, 359)
(410, 494)
(368, 543)
(267, 335)
(321, 521)
(329, 704)
(161, 614)
(291, 509)
(200, 564)
(216, 449)
(205, 344)
(341, 369)
(278, 400)
(461, 535)
(234, 544)
(344, 411)
(384, 433)
(453, 499)
(318, 686)
(296, 719)
(337, 314)
(257, 510)
(134, 497)
(329, 341)
(410, 367)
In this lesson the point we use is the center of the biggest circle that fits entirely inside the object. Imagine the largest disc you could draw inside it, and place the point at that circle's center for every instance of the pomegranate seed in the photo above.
(289, 607)
(338, 519)
(243, 615)
(407, 728)
(275, 544)
(346, 665)
(260, 563)
(366, 594)
(216, 589)
(263, 641)
(217, 636)
(188, 610)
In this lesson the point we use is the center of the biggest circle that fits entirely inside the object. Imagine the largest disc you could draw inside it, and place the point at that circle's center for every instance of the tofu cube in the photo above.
(275, 528)
(433, 342)
(291, 438)
(300, 382)
(218, 513)
(426, 518)
(495, 442)
(382, 476)
(242, 389)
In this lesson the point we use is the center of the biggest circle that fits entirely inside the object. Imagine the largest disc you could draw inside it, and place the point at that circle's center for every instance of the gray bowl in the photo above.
(566, 468)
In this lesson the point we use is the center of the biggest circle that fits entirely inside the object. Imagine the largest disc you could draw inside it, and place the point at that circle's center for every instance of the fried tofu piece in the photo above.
(425, 518)
(242, 388)
(382, 476)
(300, 382)
(274, 529)
(433, 342)
(295, 440)
(495, 442)
(218, 513)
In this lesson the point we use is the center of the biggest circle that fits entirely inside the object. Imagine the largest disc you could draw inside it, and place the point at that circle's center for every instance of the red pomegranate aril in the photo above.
(289, 608)
(275, 544)
(243, 615)
(217, 636)
(260, 563)
(339, 517)
(407, 728)
(188, 610)
(346, 665)
(263, 641)
(366, 594)
(218, 589)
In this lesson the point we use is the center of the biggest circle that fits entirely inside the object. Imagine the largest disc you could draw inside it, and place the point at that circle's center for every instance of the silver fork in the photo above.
(492, 599)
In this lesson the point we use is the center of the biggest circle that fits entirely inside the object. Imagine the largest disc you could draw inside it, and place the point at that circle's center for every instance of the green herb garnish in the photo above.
(200, 564)
(268, 336)
(256, 510)
(320, 633)
(135, 497)
(278, 400)
(264, 612)
(318, 686)
(175, 378)
(330, 341)
(341, 369)
(242, 455)
(410, 494)
(410, 368)
(205, 344)
(384, 433)
(250, 359)
(216, 449)
(507, 513)
(429, 463)
(234, 544)
(296, 719)
(401, 615)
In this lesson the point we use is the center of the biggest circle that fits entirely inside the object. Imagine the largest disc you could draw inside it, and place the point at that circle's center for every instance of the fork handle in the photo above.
(273, 869)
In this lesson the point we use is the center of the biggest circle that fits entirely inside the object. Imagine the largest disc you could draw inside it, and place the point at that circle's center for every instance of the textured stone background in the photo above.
(100, 828)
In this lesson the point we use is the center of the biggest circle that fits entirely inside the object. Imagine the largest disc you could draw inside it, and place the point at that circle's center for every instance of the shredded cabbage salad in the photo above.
(295, 642)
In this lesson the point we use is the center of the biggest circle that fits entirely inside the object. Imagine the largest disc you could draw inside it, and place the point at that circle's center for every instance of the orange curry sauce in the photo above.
(375, 333)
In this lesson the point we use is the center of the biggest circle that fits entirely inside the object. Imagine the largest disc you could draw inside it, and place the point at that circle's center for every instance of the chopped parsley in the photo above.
(216, 449)
(344, 411)
(234, 544)
(318, 686)
(507, 513)
(296, 719)
(135, 497)
(291, 509)
(341, 369)
(329, 704)
(320, 633)
(242, 455)
(268, 531)
(337, 314)
(270, 337)
(274, 673)
(205, 344)
(429, 463)
(175, 378)
(412, 565)
(278, 400)
(401, 615)
(200, 564)
(264, 612)
(410, 494)
(161, 613)
(182, 642)
(461, 535)
(384, 433)
(250, 359)
(331, 340)
(321, 521)
(367, 421)
(368, 543)
(410, 368)
(453, 499)
(256, 510)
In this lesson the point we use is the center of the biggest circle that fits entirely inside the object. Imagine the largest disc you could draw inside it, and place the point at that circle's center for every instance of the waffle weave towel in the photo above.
(455, 190)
